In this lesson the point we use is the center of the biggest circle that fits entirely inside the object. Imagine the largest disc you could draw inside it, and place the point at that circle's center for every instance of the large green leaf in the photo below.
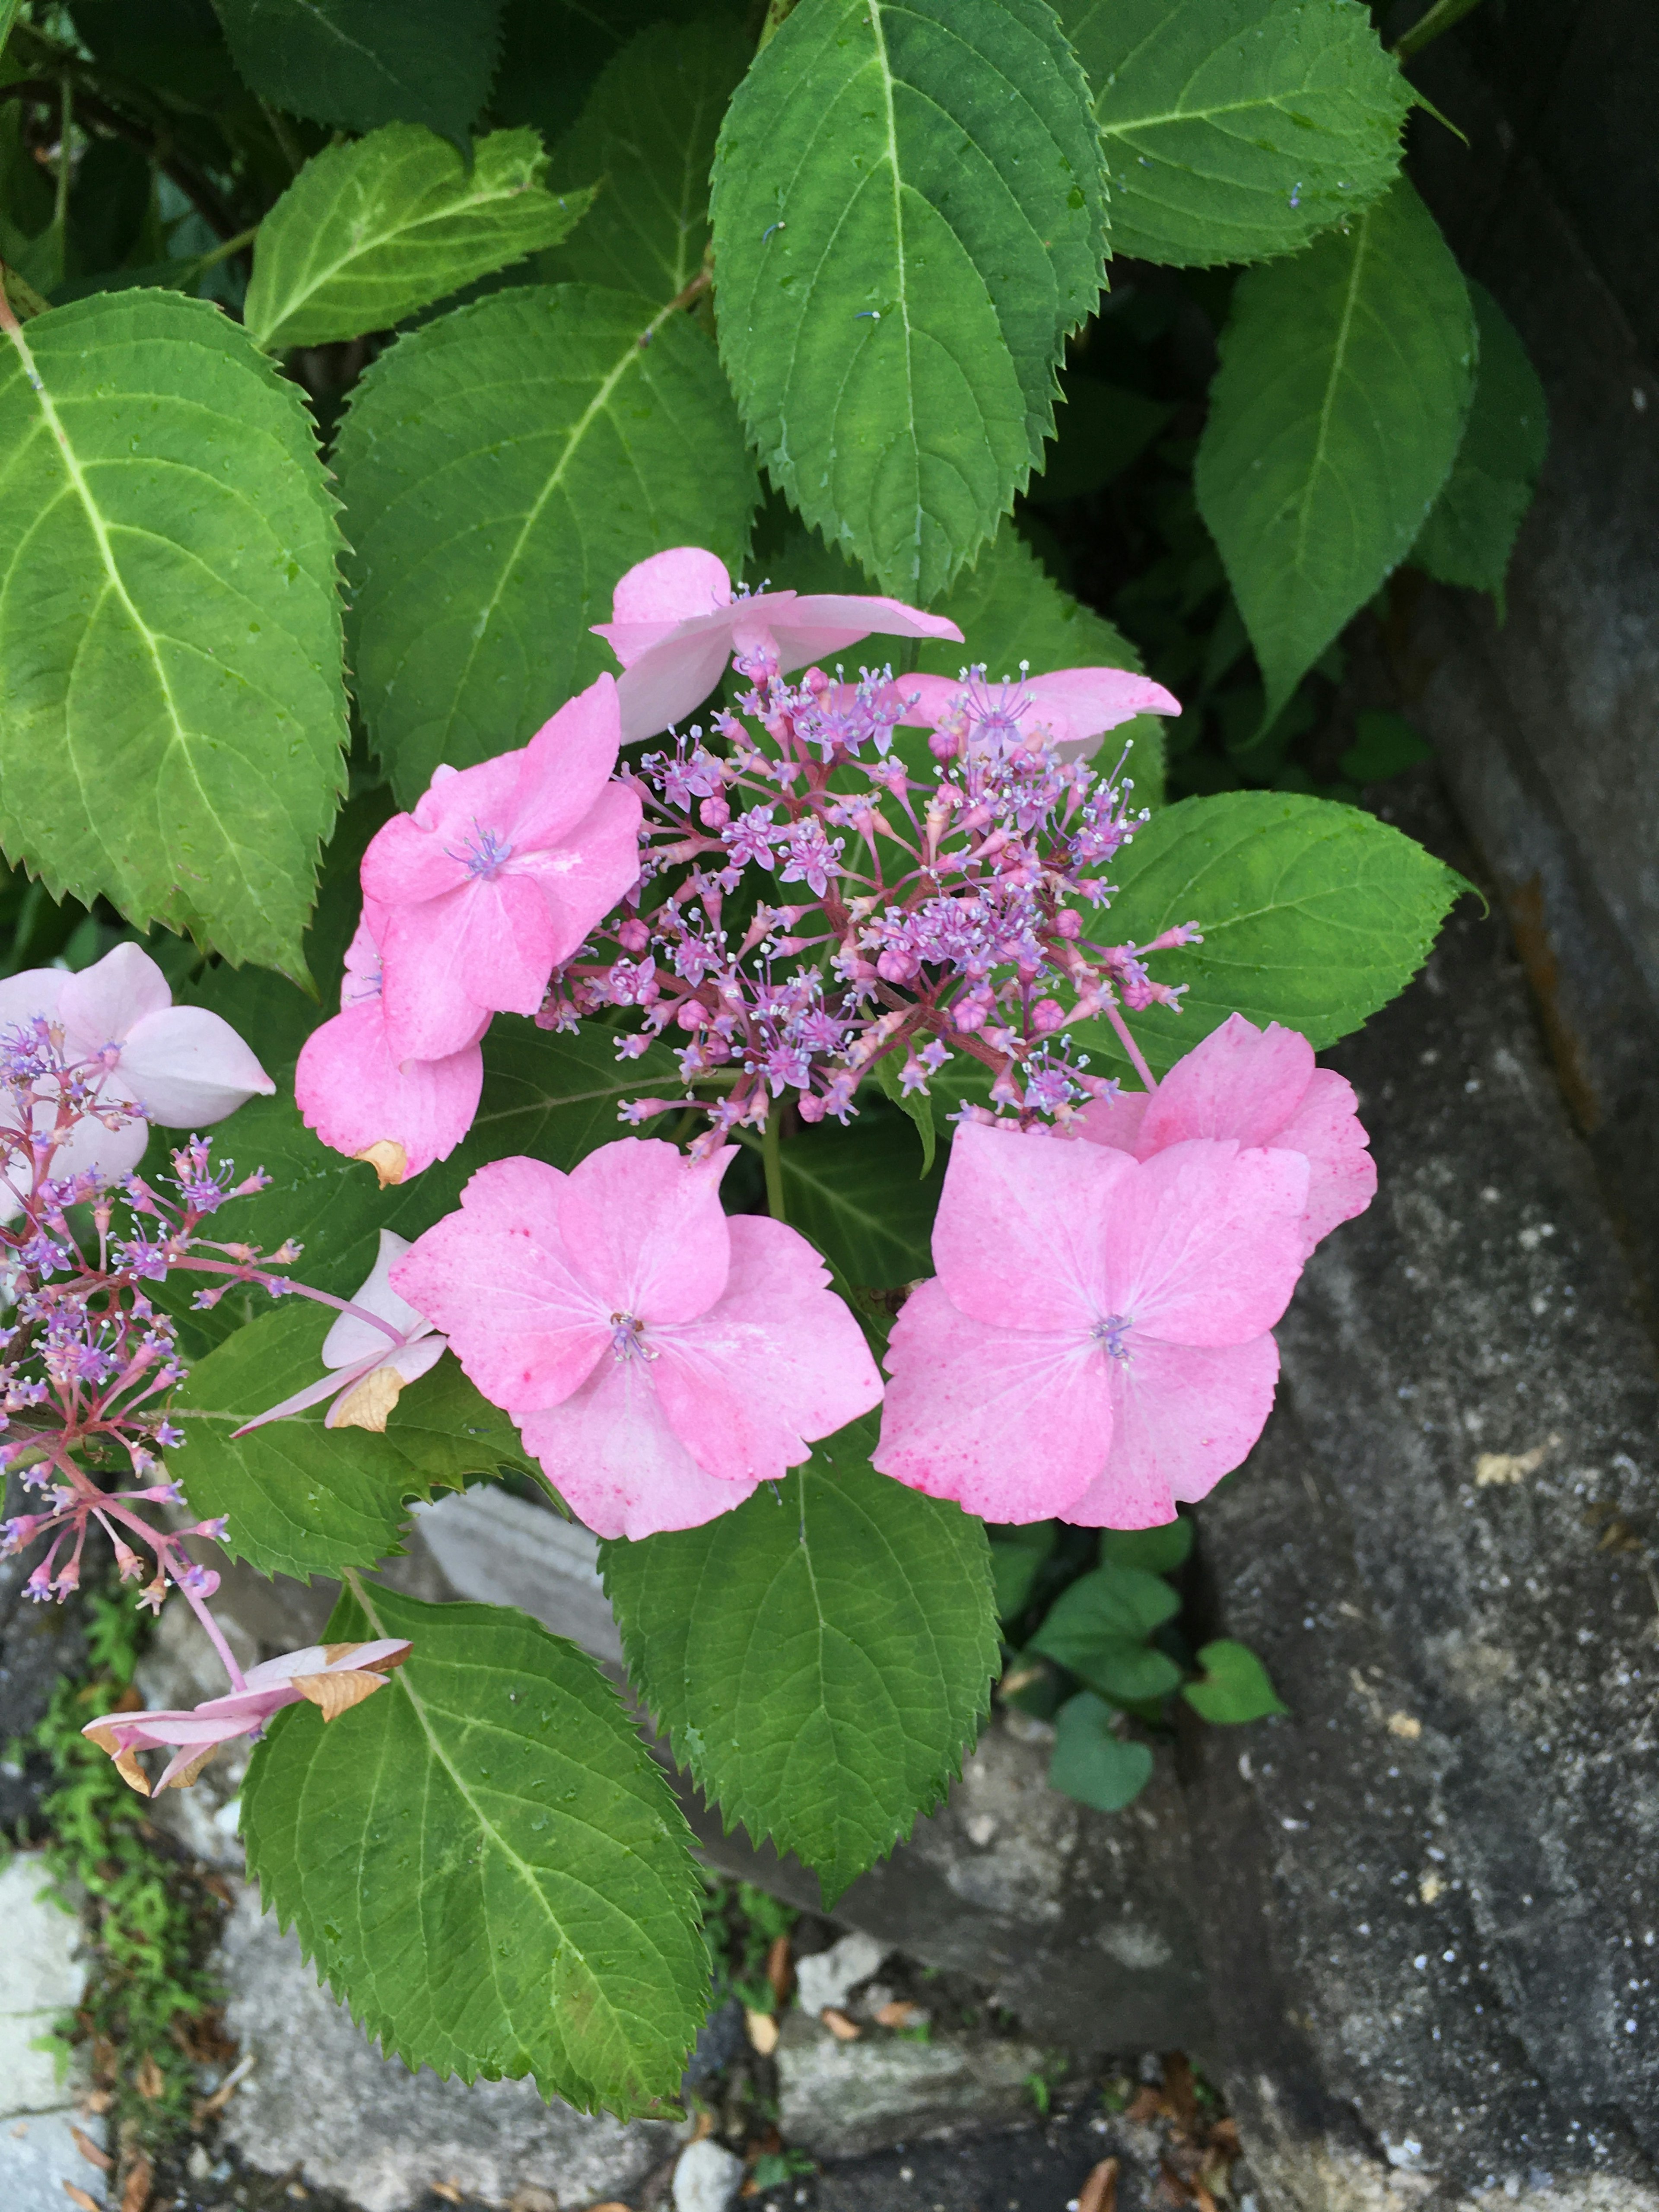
(648, 131)
(304, 1499)
(500, 468)
(173, 717)
(1236, 129)
(371, 230)
(909, 218)
(484, 1862)
(856, 1193)
(1334, 418)
(1313, 916)
(821, 1657)
(361, 62)
(1471, 527)
(1091, 1762)
(1099, 1627)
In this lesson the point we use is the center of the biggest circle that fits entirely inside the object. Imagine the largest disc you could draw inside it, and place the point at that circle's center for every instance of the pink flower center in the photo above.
(485, 853)
(628, 1337)
(1110, 1333)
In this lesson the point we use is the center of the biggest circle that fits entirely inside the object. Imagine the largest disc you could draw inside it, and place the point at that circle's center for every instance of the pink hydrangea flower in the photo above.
(367, 1366)
(1095, 1343)
(660, 1357)
(1074, 706)
(331, 1676)
(498, 875)
(183, 1065)
(362, 1100)
(1261, 1087)
(675, 624)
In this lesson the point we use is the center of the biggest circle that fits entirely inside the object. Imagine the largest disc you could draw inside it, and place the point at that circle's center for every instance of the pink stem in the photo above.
(1137, 1062)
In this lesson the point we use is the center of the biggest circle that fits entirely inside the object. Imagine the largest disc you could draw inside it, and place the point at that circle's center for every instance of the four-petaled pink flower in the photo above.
(675, 624)
(1095, 1343)
(498, 875)
(1074, 706)
(660, 1357)
(351, 1088)
(332, 1676)
(1261, 1087)
(183, 1065)
(367, 1366)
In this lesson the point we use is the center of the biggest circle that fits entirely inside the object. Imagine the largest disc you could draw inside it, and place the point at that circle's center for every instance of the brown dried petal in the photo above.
(337, 1690)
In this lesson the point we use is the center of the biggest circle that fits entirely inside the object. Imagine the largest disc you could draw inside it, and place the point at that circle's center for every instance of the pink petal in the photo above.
(644, 1229)
(667, 678)
(89, 1148)
(312, 1659)
(335, 1382)
(672, 586)
(1023, 1223)
(1094, 699)
(1239, 1082)
(1183, 1417)
(1206, 1242)
(507, 943)
(352, 1092)
(824, 622)
(486, 948)
(1117, 1121)
(31, 993)
(102, 1003)
(565, 767)
(406, 864)
(361, 979)
(611, 1454)
(928, 699)
(189, 1068)
(351, 1339)
(778, 1362)
(1013, 1423)
(495, 1280)
(408, 1361)
(583, 879)
(1326, 1130)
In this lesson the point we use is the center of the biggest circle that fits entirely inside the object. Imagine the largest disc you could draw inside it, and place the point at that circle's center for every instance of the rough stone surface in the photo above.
(706, 2178)
(835, 2099)
(1430, 1899)
(40, 1979)
(828, 1977)
(39, 2155)
(321, 2096)
(500, 1549)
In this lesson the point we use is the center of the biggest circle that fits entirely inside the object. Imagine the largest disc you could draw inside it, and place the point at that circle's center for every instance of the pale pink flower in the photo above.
(183, 1065)
(1261, 1087)
(498, 875)
(1074, 707)
(362, 1100)
(332, 1676)
(367, 1366)
(1095, 1343)
(660, 1357)
(675, 624)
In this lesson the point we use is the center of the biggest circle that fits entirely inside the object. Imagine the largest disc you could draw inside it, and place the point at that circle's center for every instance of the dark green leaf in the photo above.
(370, 230)
(648, 132)
(1016, 1555)
(484, 1862)
(821, 1657)
(888, 1072)
(361, 62)
(1157, 1551)
(1099, 1626)
(855, 1194)
(1471, 527)
(1313, 914)
(1236, 128)
(1099, 431)
(1334, 418)
(909, 218)
(501, 467)
(1235, 1687)
(1092, 1763)
(1384, 745)
(172, 714)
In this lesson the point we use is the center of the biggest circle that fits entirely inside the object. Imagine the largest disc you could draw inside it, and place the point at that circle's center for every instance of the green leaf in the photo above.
(1313, 914)
(501, 467)
(362, 62)
(1092, 1763)
(369, 231)
(1236, 1686)
(648, 132)
(854, 1191)
(1334, 418)
(1384, 745)
(1017, 1552)
(1236, 128)
(1099, 1626)
(305, 1499)
(1156, 1551)
(484, 1862)
(1100, 430)
(821, 1657)
(1471, 529)
(172, 715)
(889, 1072)
(909, 218)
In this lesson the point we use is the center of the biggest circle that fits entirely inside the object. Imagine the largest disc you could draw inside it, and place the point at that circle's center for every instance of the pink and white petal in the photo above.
(1012, 1423)
(506, 941)
(929, 699)
(1023, 1221)
(352, 1339)
(776, 1363)
(825, 622)
(1326, 1128)
(668, 680)
(674, 586)
(1094, 699)
(1239, 1082)
(276, 1675)
(334, 1383)
(496, 1280)
(1206, 1242)
(419, 1358)
(90, 1148)
(99, 1005)
(361, 979)
(189, 1068)
(566, 766)
(427, 995)
(1183, 1415)
(583, 879)
(644, 1227)
(354, 1094)
(611, 1454)
(460, 802)
(1118, 1122)
(407, 864)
